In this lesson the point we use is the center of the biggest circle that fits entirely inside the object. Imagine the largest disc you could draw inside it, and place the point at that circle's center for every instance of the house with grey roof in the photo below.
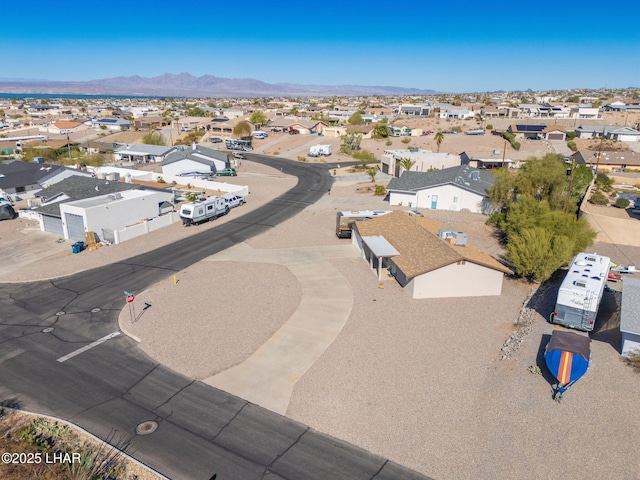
(76, 205)
(24, 179)
(114, 124)
(614, 132)
(607, 161)
(142, 153)
(455, 188)
(426, 259)
(195, 159)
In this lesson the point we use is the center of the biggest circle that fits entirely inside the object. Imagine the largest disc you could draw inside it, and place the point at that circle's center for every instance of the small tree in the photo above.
(406, 163)
(153, 138)
(372, 173)
(242, 129)
(258, 119)
(439, 137)
(356, 119)
(621, 203)
(350, 142)
(380, 131)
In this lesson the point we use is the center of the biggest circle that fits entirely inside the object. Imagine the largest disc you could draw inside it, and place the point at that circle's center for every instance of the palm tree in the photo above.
(406, 163)
(439, 137)
(372, 173)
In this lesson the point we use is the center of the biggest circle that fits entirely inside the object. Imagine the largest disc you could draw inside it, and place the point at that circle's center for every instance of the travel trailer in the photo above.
(203, 210)
(581, 292)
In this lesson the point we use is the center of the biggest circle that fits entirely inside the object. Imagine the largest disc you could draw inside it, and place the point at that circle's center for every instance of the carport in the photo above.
(379, 247)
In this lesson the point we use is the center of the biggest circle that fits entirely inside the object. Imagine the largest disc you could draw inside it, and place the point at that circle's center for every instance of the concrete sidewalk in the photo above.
(268, 376)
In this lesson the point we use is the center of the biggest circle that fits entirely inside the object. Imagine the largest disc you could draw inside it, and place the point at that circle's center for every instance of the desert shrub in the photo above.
(276, 153)
(489, 127)
(633, 359)
(381, 190)
(301, 158)
(161, 180)
(388, 143)
(621, 203)
(406, 140)
(604, 182)
(572, 145)
(599, 198)
(364, 156)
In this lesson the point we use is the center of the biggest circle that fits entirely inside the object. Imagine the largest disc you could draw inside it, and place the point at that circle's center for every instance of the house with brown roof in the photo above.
(426, 259)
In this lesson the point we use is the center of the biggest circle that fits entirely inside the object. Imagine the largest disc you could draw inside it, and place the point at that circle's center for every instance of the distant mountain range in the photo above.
(187, 85)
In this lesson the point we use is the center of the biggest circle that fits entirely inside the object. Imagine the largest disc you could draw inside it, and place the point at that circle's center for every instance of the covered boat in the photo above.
(567, 356)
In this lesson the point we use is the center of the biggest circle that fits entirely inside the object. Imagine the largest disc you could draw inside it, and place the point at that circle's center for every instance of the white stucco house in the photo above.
(142, 153)
(195, 159)
(455, 188)
(427, 260)
(424, 160)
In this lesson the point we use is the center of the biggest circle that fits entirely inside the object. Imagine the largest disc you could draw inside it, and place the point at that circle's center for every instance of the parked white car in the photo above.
(235, 200)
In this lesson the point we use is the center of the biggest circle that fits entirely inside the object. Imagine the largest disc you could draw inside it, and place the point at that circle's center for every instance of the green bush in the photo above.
(364, 156)
(571, 135)
(621, 203)
(603, 181)
(301, 158)
(572, 145)
(380, 190)
(489, 127)
(406, 140)
(388, 143)
(598, 198)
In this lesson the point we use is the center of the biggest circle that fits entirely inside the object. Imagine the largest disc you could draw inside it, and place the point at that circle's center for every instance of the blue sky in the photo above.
(454, 46)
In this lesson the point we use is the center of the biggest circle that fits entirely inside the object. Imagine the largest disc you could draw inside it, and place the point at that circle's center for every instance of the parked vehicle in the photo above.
(474, 131)
(293, 131)
(234, 200)
(239, 155)
(567, 356)
(215, 140)
(276, 129)
(581, 291)
(259, 135)
(320, 150)
(227, 172)
(345, 220)
(238, 144)
(203, 210)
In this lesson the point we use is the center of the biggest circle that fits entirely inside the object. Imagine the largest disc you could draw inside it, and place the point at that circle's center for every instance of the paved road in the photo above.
(61, 353)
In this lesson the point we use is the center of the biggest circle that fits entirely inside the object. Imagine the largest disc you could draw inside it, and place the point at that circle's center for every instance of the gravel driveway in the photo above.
(418, 381)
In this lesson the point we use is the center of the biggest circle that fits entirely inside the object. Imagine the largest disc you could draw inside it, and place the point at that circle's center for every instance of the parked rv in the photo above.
(320, 150)
(237, 144)
(581, 291)
(345, 220)
(474, 131)
(203, 210)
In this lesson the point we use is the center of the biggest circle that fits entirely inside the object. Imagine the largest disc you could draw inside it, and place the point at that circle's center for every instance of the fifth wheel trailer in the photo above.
(581, 291)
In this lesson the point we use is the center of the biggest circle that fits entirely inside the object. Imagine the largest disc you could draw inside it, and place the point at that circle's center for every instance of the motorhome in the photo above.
(203, 210)
(345, 220)
(237, 144)
(581, 291)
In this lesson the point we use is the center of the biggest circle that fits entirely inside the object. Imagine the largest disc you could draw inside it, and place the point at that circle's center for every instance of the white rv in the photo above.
(581, 291)
(320, 150)
(203, 210)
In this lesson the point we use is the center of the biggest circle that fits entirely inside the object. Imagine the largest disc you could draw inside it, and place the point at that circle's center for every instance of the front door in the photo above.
(434, 202)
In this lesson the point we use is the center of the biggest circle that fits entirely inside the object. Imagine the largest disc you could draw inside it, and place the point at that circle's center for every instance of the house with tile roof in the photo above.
(455, 188)
(427, 260)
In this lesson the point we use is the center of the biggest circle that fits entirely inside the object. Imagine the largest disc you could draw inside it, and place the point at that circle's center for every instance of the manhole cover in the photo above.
(95, 310)
(58, 314)
(146, 428)
(47, 330)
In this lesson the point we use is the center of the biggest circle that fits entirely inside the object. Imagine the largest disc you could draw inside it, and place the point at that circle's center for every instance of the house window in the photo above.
(455, 199)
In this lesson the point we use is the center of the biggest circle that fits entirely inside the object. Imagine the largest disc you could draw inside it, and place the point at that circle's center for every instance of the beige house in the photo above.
(426, 259)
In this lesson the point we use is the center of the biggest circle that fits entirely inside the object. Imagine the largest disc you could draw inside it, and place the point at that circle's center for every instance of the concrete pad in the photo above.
(268, 376)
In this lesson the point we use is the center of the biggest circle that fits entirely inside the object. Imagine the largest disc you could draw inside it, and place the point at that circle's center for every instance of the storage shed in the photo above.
(630, 315)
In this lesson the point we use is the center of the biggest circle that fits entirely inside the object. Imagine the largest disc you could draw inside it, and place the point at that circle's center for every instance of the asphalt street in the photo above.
(61, 354)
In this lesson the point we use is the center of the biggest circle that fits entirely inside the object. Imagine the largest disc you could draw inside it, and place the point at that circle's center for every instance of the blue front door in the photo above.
(434, 202)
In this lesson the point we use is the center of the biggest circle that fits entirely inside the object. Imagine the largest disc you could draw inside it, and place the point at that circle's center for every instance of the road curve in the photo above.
(61, 354)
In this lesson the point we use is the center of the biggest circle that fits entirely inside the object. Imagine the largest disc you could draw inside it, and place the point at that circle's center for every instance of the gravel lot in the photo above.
(418, 381)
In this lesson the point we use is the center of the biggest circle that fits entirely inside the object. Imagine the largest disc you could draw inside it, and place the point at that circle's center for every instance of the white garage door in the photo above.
(52, 225)
(75, 226)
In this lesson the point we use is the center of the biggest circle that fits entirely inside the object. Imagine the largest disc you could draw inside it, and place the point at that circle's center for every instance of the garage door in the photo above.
(75, 226)
(555, 136)
(52, 225)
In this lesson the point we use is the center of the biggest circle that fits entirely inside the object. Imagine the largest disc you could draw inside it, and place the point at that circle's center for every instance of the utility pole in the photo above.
(566, 202)
(599, 152)
(504, 151)
(69, 146)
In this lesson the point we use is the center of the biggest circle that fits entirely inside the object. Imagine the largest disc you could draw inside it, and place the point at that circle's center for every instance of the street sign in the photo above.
(130, 298)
